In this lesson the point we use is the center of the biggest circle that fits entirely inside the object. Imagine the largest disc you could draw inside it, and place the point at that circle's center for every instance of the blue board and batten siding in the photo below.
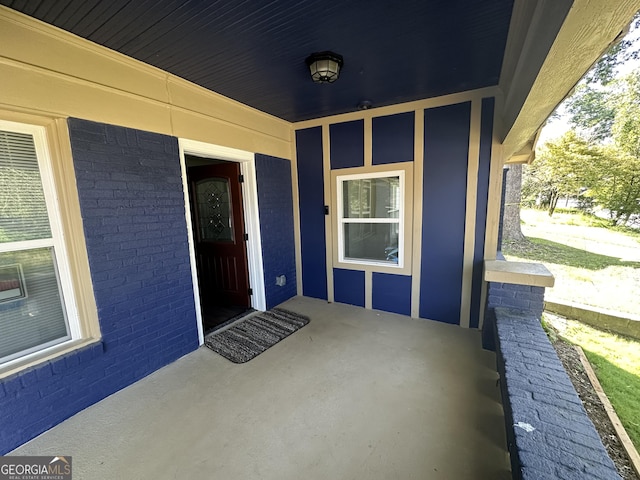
(132, 206)
(392, 138)
(391, 293)
(446, 153)
(346, 142)
(313, 244)
(446, 137)
(348, 286)
(275, 204)
(392, 142)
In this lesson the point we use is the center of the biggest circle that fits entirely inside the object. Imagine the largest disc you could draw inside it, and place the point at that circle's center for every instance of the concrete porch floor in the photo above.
(356, 394)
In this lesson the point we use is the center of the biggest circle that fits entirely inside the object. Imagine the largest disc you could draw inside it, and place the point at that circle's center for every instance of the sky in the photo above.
(560, 125)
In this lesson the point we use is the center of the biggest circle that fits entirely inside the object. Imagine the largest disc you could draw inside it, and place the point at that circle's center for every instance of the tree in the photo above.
(626, 124)
(604, 159)
(618, 188)
(591, 112)
(622, 50)
(564, 168)
(589, 104)
(511, 230)
(598, 162)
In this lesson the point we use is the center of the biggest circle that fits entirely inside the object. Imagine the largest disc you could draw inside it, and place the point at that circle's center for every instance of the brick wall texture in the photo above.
(549, 434)
(132, 206)
(522, 297)
(275, 204)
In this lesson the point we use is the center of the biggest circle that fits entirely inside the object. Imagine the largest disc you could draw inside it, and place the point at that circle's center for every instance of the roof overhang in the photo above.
(535, 82)
(527, 154)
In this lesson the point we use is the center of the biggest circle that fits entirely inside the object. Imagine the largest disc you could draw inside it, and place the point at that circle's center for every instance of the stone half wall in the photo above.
(549, 434)
(508, 295)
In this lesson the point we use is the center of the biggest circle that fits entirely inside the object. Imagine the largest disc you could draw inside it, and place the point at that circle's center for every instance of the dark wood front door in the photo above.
(219, 233)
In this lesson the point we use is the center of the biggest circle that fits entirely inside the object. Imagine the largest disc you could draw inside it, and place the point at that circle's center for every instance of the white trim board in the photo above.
(251, 218)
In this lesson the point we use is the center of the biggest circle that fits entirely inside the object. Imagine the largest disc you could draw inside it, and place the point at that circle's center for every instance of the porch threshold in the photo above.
(354, 394)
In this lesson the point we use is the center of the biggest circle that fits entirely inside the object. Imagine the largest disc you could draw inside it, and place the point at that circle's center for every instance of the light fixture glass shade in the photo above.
(324, 66)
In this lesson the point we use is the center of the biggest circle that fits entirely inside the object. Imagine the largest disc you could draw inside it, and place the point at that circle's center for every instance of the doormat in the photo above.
(252, 336)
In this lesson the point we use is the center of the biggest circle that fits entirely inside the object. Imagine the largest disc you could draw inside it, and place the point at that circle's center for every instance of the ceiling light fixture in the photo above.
(324, 66)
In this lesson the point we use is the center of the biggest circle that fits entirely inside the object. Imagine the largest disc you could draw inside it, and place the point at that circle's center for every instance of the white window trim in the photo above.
(342, 221)
(57, 241)
(335, 205)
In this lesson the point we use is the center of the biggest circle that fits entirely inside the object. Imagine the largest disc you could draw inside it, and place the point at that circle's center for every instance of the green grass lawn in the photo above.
(616, 362)
(593, 265)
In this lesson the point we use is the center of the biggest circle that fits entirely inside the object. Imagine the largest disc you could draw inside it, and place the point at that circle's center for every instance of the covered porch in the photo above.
(355, 394)
(111, 99)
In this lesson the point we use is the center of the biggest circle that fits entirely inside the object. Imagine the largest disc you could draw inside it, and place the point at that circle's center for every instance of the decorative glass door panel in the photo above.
(214, 210)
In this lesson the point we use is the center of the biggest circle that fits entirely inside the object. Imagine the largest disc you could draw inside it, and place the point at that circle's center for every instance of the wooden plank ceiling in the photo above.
(254, 50)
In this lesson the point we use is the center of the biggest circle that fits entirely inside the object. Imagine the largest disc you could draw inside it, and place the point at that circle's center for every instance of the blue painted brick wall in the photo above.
(132, 206)
(549, 434)
(522, 297)
(275, 205)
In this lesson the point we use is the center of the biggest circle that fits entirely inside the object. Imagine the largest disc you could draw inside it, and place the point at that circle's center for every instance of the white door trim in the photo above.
(251, 218)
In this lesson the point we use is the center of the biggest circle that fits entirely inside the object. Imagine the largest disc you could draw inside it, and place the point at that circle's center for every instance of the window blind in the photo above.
(32, 313)
(23, 211)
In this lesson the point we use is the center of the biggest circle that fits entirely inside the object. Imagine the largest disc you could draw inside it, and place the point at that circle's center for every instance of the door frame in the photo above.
(251, 218)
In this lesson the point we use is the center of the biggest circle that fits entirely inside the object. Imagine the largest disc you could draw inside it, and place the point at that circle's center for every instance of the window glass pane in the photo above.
(371, 198)
(214, 210)
(31, 311)
(371, 241)
(23, 212)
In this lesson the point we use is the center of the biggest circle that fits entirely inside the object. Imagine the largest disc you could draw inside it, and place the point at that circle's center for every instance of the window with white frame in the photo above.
(371, 218)
(37, 308)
